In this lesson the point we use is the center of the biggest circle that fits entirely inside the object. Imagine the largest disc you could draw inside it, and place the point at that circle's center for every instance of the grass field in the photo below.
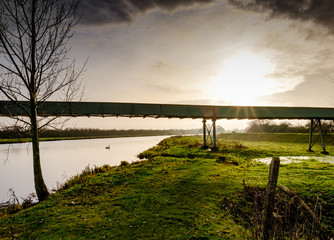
(185, 192)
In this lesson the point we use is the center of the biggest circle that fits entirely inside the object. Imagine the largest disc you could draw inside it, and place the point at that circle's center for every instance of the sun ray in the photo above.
(242, 79)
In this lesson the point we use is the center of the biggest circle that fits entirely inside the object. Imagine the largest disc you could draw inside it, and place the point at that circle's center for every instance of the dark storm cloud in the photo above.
(318, 11)
(96, 12)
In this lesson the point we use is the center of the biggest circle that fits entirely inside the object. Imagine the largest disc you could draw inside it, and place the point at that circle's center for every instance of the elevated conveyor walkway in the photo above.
(149, 110)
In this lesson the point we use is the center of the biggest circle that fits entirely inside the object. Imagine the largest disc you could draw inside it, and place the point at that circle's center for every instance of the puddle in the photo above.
(291, 159)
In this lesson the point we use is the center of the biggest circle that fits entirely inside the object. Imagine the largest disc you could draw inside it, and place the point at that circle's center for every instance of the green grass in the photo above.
(181, 192)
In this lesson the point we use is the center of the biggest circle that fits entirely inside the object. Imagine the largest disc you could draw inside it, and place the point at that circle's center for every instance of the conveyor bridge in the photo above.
(150, 110)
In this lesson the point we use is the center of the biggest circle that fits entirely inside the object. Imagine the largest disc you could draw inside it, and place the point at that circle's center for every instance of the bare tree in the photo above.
(34, 66)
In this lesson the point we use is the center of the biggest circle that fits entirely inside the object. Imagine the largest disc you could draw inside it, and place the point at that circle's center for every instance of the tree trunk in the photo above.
(40, 187)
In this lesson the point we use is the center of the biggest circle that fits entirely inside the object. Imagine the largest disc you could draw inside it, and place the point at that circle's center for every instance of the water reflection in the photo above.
(296, 159)
(62, 159)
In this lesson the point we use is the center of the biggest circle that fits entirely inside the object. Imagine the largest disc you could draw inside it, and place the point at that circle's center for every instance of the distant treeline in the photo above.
(257, 126)
(17, 132)
(267, 126)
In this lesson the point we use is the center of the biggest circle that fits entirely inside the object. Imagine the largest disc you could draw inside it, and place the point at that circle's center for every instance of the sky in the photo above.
(224, 52)
(237, 52)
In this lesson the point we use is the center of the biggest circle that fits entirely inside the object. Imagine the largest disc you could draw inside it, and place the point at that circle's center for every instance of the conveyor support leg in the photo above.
(316, 123)
(207, 130)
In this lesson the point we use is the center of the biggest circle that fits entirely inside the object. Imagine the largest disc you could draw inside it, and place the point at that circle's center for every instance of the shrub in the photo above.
(124, 163)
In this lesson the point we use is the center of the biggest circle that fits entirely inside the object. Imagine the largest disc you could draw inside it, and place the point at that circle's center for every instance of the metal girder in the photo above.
(112, 109)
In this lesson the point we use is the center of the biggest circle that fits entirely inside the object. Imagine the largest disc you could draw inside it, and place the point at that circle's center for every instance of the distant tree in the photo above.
(34, 64)
(258, 126)
(328, 126)
(281, 128)
(220, 129)
(267, 126)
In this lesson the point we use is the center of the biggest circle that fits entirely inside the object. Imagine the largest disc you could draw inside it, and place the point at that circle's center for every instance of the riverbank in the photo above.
(185, 192)
(63, 159)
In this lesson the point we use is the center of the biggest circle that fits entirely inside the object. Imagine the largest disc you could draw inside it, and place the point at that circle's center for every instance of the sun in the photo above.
(242, 80)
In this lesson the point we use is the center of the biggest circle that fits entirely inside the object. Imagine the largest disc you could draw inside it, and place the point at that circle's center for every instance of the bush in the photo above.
(124, 163)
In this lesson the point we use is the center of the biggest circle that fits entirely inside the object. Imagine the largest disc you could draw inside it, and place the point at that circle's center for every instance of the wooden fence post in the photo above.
(270, 198)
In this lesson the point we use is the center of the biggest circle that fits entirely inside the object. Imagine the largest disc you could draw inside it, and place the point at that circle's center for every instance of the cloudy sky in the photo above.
(227, 52)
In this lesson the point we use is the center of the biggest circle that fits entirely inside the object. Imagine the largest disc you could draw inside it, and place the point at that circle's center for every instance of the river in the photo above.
(62, 159)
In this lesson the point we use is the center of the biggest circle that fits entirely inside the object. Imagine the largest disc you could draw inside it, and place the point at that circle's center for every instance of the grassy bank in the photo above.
(185, 192)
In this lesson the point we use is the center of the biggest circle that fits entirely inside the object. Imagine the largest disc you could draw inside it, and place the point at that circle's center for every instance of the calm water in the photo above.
(62, 159)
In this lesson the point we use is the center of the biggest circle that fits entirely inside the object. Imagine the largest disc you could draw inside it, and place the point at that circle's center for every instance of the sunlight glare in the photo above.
(242, 80)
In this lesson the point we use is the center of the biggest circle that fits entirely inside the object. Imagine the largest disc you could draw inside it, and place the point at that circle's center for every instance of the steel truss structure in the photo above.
(316, 124)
